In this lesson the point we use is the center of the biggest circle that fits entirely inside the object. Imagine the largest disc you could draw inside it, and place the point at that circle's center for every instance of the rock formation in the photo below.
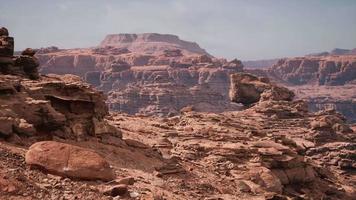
(24, 64)
(53, 105)
(329, 70)
(149, 73)
(324, 81)
(248, 89)
(68, 160)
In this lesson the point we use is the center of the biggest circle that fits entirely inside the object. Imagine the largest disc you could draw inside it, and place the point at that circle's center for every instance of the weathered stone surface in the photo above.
(68, 160)
(248, 89)
(55, 105)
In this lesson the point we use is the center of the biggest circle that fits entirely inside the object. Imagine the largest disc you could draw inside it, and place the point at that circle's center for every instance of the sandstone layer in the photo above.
(324, 70)
(149, 73)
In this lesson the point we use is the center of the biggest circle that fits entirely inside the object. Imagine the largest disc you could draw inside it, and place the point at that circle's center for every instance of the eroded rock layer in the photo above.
(149, 73)
(321, 70)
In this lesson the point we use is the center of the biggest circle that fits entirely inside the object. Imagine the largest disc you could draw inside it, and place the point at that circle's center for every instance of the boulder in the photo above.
(248, 89)
(69, 160)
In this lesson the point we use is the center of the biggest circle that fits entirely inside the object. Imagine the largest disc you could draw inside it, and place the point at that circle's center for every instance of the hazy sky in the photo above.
(245, 29)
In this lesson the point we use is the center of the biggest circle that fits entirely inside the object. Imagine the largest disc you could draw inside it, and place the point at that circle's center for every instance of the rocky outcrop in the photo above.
(48, 106)
(327, 70)
(25, 64)
(52, 105)
(248, 89)
(69, 160)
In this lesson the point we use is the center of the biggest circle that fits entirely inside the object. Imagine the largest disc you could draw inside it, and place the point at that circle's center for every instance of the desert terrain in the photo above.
(153, 117)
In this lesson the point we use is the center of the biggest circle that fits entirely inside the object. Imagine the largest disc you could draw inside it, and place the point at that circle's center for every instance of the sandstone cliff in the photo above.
(148, 73)
(159, 74)
(326, 70)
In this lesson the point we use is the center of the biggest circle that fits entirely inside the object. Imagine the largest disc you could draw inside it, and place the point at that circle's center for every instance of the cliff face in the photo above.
(341, 98)
(163, 89)
(325, 81)
(324, 70)
(161, 74)
(148, 73)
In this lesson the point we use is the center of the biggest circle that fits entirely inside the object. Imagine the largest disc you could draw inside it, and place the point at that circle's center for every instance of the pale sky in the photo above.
(245, 29)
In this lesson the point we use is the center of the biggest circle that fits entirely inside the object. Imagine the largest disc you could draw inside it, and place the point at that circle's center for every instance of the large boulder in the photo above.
(248, 89)
(68, 160)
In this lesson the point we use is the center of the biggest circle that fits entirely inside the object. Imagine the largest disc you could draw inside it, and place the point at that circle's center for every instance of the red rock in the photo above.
(68, 160)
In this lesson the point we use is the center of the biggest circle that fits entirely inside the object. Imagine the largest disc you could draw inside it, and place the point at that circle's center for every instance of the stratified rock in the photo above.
(325, 70)
(60, 106)
(68, 160)
(119, 66)
(340, 154)
(330, 121)
(172, 53)
(154, 74)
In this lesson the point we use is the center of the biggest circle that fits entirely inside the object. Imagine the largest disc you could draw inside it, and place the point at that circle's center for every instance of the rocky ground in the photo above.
(234, 155)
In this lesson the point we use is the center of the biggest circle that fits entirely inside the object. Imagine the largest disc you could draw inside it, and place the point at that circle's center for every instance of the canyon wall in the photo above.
(149, 73)
(161, 74)
(322, 70)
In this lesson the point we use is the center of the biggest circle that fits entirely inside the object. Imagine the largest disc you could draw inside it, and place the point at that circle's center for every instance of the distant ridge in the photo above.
(151, 43)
